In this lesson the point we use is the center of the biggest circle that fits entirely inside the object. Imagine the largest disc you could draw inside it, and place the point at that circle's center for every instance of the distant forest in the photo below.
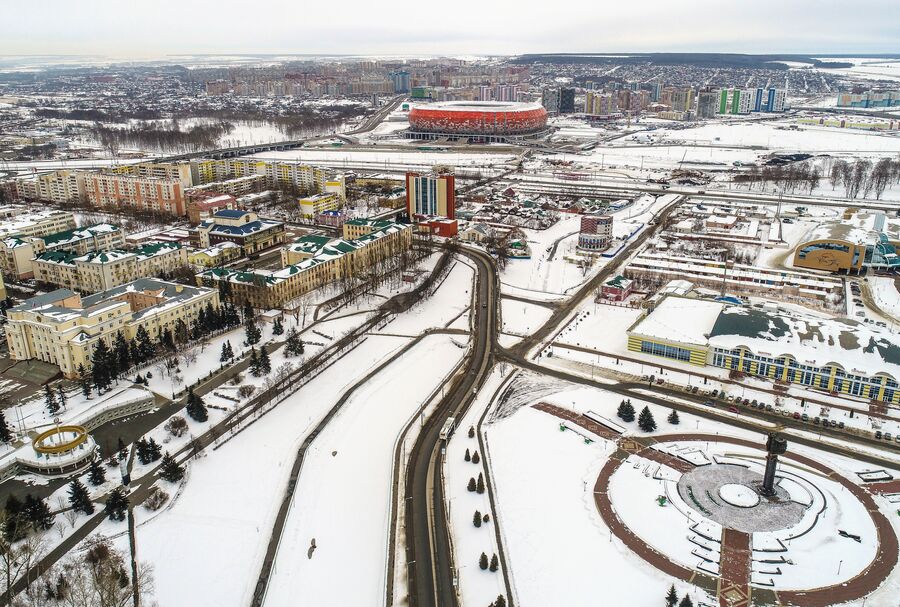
(714, 60)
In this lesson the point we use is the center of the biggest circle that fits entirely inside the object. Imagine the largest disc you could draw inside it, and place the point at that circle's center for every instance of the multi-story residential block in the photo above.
(599, 104)
(869, 99)
(707, 104)
(170, 171)
(58, 186)
(432, 194)
(63, 328)
(277, 174)
(102, 270)
(244, 228)
(152, 194)
(37, 224)
(311, 206)
(2, 289)
(237, 186)
(337, 259)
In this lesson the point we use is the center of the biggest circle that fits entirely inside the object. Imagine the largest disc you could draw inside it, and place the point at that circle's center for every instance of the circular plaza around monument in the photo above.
(704, 515)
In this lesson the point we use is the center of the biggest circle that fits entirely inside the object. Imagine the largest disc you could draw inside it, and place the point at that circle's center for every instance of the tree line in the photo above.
(151, 135)
(859, 178)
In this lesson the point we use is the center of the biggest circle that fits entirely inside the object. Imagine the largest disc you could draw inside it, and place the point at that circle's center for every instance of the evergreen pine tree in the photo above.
(143, 451)
(171, 470)
(63, 400)
(476, 519)
(167, 340)
(224, 357)
(277, 327)
(293, 346)
(100, 366)
(116, 505)
(85, 381)
(265, 363)
(468, 456)
(135, 351)
(671, 597)
(480, 486)
(500, 602)
(483, 561)
(255, 368)
(196, 408)
(96, 474)
(476, 458)
(250, 327)
(495, 563)
(625, 411)
(15, 527)
(79, 498)
(471, 486)
(37, 512)
(122, 448)
(50, 400)
(673, 418)
(122, 353)
(471, 432)
(146, 348)
(154, 450)
(686, 601)
(646, 421)
(211, 319)
(5, 431)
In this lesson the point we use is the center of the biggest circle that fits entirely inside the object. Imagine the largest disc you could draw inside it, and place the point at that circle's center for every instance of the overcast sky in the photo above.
(141, 28)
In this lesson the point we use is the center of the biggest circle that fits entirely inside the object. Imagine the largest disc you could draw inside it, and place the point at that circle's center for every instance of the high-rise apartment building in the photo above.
(432, 194)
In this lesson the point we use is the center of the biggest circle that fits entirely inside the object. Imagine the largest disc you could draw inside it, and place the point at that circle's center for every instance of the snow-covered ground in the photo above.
(222, 519)
(558, 548)
(343, 499)
(228, 503)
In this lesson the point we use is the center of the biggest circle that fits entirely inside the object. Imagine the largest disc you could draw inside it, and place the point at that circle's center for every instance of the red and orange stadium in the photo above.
(485, 118)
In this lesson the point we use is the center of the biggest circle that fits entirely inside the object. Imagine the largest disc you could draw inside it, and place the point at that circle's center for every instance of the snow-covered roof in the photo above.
(811, 340)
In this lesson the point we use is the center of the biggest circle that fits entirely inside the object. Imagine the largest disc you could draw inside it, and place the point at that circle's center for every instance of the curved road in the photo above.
(428, 554)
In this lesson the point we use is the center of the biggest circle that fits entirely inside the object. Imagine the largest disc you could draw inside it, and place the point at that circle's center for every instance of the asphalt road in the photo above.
(428, 554)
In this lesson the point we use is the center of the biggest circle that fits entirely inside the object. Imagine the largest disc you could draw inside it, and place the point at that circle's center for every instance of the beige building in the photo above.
(177, 171)
(57, 186)
(277, 174)
(338, 259)
(102, 270)
(63, 328)
(17, 254)
(215, 255)
(2, 289)
(37, 224)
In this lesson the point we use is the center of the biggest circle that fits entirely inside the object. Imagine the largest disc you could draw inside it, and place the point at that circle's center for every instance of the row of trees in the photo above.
(859, 178)
(646, 422)
(150, 135)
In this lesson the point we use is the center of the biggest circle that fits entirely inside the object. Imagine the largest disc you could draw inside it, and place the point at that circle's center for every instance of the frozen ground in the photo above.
(343, 500)
(559, 550)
